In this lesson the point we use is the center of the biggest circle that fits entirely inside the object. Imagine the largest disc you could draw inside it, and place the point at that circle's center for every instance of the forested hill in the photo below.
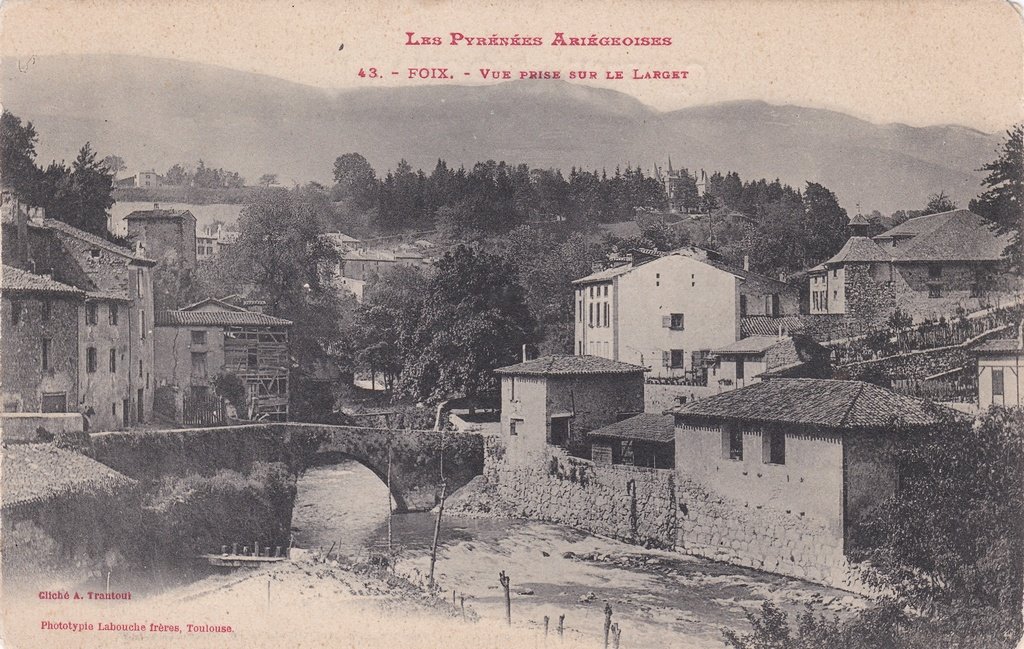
(155, 113)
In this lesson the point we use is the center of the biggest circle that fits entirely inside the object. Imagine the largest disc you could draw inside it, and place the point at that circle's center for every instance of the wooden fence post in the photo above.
(437, 532)
(561, 625)
(504, 580)
(607, 622)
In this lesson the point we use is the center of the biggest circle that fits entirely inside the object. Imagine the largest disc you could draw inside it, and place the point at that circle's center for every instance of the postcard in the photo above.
(428, 324)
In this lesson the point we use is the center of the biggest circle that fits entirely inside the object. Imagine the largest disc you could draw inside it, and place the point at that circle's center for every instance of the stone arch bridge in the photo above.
(418, 459)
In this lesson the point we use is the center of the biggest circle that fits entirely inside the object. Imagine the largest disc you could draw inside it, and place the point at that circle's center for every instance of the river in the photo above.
(659, 599)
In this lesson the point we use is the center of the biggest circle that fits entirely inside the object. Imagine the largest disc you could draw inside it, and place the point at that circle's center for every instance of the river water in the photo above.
(659, 599)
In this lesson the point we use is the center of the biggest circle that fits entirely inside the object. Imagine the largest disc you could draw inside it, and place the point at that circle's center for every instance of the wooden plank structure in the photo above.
(259, 356)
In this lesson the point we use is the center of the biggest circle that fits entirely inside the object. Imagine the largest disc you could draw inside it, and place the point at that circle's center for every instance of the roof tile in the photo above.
(18, 280)
(647, 426)
(570, 365)
(38, 472)
(216, 319)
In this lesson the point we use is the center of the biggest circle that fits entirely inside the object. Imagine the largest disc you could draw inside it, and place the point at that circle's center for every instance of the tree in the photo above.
(355, 181)
(114, 164)
(281, 253)
(1003, 200)
(17, 156)
(266, 180)
(79, 195)
(950, 541)
(938, 203)
(826, 223)
(474, 320)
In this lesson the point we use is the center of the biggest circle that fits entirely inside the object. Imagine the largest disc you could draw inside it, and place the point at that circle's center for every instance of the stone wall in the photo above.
(628, 503)
(760, 537)
(661, 397)
(24, 380)
(24, 426)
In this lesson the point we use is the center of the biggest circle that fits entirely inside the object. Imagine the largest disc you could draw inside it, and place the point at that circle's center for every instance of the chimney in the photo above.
(746, 262)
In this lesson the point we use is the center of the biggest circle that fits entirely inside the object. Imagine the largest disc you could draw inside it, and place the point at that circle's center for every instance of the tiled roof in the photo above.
(750, 345)
(38, 472)
(605, 275)
(226, 302)
(99, 242)
(159, 214)
(859, 219)
(962, 236)
(18, 280)
(216, 319)
(647, 426)
(858, 249)
(107, 295)
(765, 325)
(826, 403)
(917, 225)
(1002, 346)
(570, 365)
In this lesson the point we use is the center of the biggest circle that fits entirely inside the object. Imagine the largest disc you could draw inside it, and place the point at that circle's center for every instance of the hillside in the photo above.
(156, 112)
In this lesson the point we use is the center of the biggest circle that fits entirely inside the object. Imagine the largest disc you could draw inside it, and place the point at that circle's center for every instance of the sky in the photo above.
(918, 62)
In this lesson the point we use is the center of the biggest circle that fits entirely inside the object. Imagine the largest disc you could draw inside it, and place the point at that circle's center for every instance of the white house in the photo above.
(667, 314)
(1000, 378)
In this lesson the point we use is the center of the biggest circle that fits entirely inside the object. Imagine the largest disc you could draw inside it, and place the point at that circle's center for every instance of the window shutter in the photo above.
(666, 359)
(666, 321)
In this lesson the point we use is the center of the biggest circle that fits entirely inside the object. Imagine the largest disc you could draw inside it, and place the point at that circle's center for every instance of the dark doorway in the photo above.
(139, 405)
(55, 402)
(559, 431)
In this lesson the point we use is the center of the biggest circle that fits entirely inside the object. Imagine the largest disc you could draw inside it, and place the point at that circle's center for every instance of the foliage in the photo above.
(202, 176)
(281, 256)
(114, 164)
(876, 628)
(266, 180)
(17, 155)
(231, 387)
(355, 180)
(1003, 200)
(938, 203)
(474, 319)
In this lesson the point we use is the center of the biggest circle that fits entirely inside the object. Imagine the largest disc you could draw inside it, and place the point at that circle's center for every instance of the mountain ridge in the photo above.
(157, 112)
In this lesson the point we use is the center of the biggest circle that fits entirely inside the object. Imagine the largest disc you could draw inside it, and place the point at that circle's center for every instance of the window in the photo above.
(606, 291)
(91, 313)
(580, 348)
(513, 426)
(934, 271)
(580, 310)
(677, 358)
(113, 408)
(512, 388)
(140, 368)
(740, 369)
(113, 360)
(15, 312)
(112, 314)
(997, 382)
(732, 444)
(142, 324)
(198, 337)
(138, 282)
(743, 306)
(606, 318)
(591, 291)
(90, 360)
(44, 360)
(591, 314)
(47, 310)
(199, 365)
(55, 402)
(95, 253)
(934, 290)
(773, 447)
(676, 321)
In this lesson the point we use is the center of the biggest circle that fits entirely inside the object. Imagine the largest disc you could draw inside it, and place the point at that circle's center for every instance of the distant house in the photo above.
(927, 266)
(148, 179)
(748, 360)
(1000, 372)
(342, 241)
(364, 264)
(646, 440)
(555, 400)
(211, 337)
(779, 474)
(668, 312)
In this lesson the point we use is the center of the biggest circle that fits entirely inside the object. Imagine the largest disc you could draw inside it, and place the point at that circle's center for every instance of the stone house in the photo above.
(778, 475)
(644, 440)
(213, 337)
(169, 236)
(668, 312)
(929, 266)
(116, 317)
(553, 401)
(39, 340)
(748, 360)
(1000, 372)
